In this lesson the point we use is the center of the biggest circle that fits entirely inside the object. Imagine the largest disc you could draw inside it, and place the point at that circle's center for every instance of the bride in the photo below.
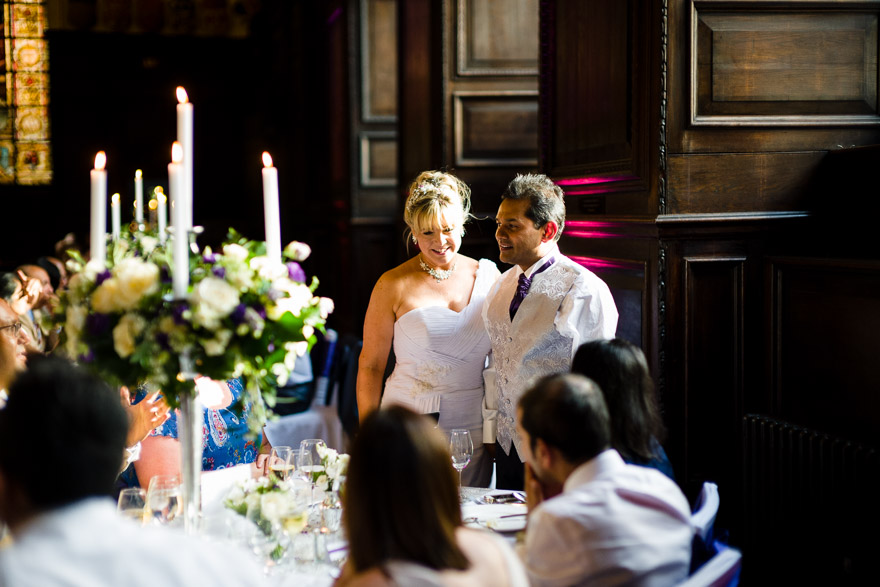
(430, 308)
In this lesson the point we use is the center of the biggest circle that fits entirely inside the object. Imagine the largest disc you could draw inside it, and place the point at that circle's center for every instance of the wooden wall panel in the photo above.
(824, 332)
(378, 32)
(486, 49)
(495, 129)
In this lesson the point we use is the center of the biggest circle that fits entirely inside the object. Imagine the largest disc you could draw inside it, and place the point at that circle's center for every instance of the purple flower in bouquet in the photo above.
(103, 276)
(177, 312)
(86, 357)
(209, 257)
(295, 272)
(238, 314)
(219, 271)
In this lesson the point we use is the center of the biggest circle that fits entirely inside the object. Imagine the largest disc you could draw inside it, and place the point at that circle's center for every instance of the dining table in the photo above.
(499, 511)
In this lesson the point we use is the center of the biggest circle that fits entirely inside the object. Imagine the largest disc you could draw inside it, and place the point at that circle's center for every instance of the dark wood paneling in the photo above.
(824, 328)
(496, 37)
(495, 129)
(787, 68)
(378, 160)
(378, 32)
(752, 182)
(600, 81)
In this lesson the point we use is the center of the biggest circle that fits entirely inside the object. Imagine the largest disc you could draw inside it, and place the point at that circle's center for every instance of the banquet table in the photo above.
(504, 518)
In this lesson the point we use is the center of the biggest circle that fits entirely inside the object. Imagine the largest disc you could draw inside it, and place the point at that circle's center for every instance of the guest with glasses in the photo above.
(22, 294)
(13, 348)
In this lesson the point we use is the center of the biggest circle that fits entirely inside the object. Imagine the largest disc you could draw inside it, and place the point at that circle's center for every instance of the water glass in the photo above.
(281, 462)
(132, 503)
(461, 447)
(165, 498)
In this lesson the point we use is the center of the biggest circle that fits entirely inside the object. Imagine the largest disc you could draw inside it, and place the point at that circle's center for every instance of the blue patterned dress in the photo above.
(224, 436)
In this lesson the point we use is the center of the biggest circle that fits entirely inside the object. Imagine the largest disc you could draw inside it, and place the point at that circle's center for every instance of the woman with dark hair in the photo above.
(402, 512)
(621, 371)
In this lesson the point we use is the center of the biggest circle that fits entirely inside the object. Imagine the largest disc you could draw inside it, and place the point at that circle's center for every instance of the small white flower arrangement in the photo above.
(335, 468)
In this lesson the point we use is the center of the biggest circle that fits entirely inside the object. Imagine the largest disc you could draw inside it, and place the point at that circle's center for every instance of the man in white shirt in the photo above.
(538, 312)
(612, 523)
(55, 495)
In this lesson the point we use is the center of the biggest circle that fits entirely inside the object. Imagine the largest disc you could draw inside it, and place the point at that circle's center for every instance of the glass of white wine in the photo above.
(281, 462)
(164, 499)
(461, 447)
(132, 503)
(308, 461)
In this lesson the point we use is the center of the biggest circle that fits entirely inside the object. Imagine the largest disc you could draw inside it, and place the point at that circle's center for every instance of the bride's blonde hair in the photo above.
(431, 194)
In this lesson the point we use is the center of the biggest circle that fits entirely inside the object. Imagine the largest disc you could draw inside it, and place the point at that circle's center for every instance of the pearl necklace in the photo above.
(438, 274)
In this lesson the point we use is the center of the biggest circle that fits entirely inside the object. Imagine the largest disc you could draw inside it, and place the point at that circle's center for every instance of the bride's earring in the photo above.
(415, 240)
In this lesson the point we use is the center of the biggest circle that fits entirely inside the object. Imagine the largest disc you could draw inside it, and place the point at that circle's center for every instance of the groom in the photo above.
(537, 313)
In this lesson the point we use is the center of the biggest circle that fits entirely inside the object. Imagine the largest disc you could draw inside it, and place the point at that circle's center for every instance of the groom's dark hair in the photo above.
(62, 434)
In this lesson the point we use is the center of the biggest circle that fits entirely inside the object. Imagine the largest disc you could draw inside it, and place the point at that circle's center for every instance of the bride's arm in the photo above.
(378, 333)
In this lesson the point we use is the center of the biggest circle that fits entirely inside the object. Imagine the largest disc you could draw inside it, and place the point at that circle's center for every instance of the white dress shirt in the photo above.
(613, 524)
(87, 544)
(567, 305)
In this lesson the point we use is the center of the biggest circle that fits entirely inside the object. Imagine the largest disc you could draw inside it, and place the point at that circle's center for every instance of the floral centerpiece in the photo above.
(334, 467)
(273, 508)
(245, 317)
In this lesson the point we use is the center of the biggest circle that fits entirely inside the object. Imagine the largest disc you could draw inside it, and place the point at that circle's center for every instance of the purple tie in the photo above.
(523, 288)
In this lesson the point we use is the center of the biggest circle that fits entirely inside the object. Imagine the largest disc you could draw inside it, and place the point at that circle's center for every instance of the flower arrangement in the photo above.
(334, 469)
(273, 508)
(245, 316)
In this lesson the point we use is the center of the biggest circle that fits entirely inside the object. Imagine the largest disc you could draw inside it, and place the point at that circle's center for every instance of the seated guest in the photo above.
(613, 523)
(225, 441)
(402, 512)
(22, 294)
(54, 496)
(13, 348)
(42, 308)
(56, 270)
(620, 370)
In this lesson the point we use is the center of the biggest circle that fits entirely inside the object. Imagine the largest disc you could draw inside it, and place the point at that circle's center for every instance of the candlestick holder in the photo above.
(194, 233)
(189, 429)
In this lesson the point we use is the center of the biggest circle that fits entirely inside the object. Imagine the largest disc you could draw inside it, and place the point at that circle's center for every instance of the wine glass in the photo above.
(132, 503)
(164, 498)
(461, 447)
(281, 462)
(308, 460)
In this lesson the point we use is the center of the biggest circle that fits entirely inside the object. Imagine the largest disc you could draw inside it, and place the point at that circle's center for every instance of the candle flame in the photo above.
(138, 174)
(267, 159)
(114, 199)
(176, 152)
(181, 95)
(153, 204)
(162, 197)
(100, 161)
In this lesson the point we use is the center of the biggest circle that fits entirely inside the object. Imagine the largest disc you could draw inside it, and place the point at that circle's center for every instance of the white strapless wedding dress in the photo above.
(440, 355)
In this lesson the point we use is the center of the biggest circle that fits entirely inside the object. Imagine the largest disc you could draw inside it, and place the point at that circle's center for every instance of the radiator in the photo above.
(810, 504)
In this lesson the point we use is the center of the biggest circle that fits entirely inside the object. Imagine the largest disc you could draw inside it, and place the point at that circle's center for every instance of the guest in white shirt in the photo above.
(538, 313)
(612, 523)
(55, 495)
(402, 512)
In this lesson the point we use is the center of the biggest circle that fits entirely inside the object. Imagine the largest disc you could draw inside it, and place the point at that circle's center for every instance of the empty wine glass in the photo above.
(281, 462)
(164, 498)
(461, 447)
(132, 503)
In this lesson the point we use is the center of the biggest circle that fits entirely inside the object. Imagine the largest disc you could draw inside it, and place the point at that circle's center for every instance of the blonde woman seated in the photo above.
(403, 517)
(430, 308)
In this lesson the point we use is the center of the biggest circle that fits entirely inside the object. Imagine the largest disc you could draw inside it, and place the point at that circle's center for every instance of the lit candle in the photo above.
(176, 183)
(115, 215)
(271, 213)
(185, 138)
(139, 196)
(98, 238)
(162, 203)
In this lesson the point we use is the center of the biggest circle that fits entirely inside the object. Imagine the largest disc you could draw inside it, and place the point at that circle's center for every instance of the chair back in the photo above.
(706, 510)
(722, 570)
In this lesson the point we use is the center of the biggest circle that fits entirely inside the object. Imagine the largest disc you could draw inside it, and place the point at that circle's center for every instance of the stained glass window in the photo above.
(24, 102)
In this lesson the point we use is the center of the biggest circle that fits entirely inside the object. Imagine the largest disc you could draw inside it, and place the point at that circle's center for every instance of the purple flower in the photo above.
(97, 324)
(270, 347)
(238, 314)
(87, 357)
(209, 258)
(178, 311)
(219, 271)
(261, 311)
(295, 272)
(164, 275)
(103, 276)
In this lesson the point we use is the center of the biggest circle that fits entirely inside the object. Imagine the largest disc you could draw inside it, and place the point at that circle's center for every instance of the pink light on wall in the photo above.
(599, 264)
(589, 229)
(584, 180)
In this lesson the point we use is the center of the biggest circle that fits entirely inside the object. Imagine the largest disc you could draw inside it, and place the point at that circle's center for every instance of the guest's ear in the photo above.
(549, 231)
(543, 454)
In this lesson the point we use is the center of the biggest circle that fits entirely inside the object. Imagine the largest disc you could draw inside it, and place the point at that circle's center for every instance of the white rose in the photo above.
(323, 483)
(235, 252)
(92, 269)
(240, 276)
(273, 505)
(104, 300)
(343, 463)
(214, 347)
(326, 307)
(136, 279)
(212, 300)
(125, 334)
(281, 372)
(299, 296)
(297, 251)
(149, 244)
(268, 269)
